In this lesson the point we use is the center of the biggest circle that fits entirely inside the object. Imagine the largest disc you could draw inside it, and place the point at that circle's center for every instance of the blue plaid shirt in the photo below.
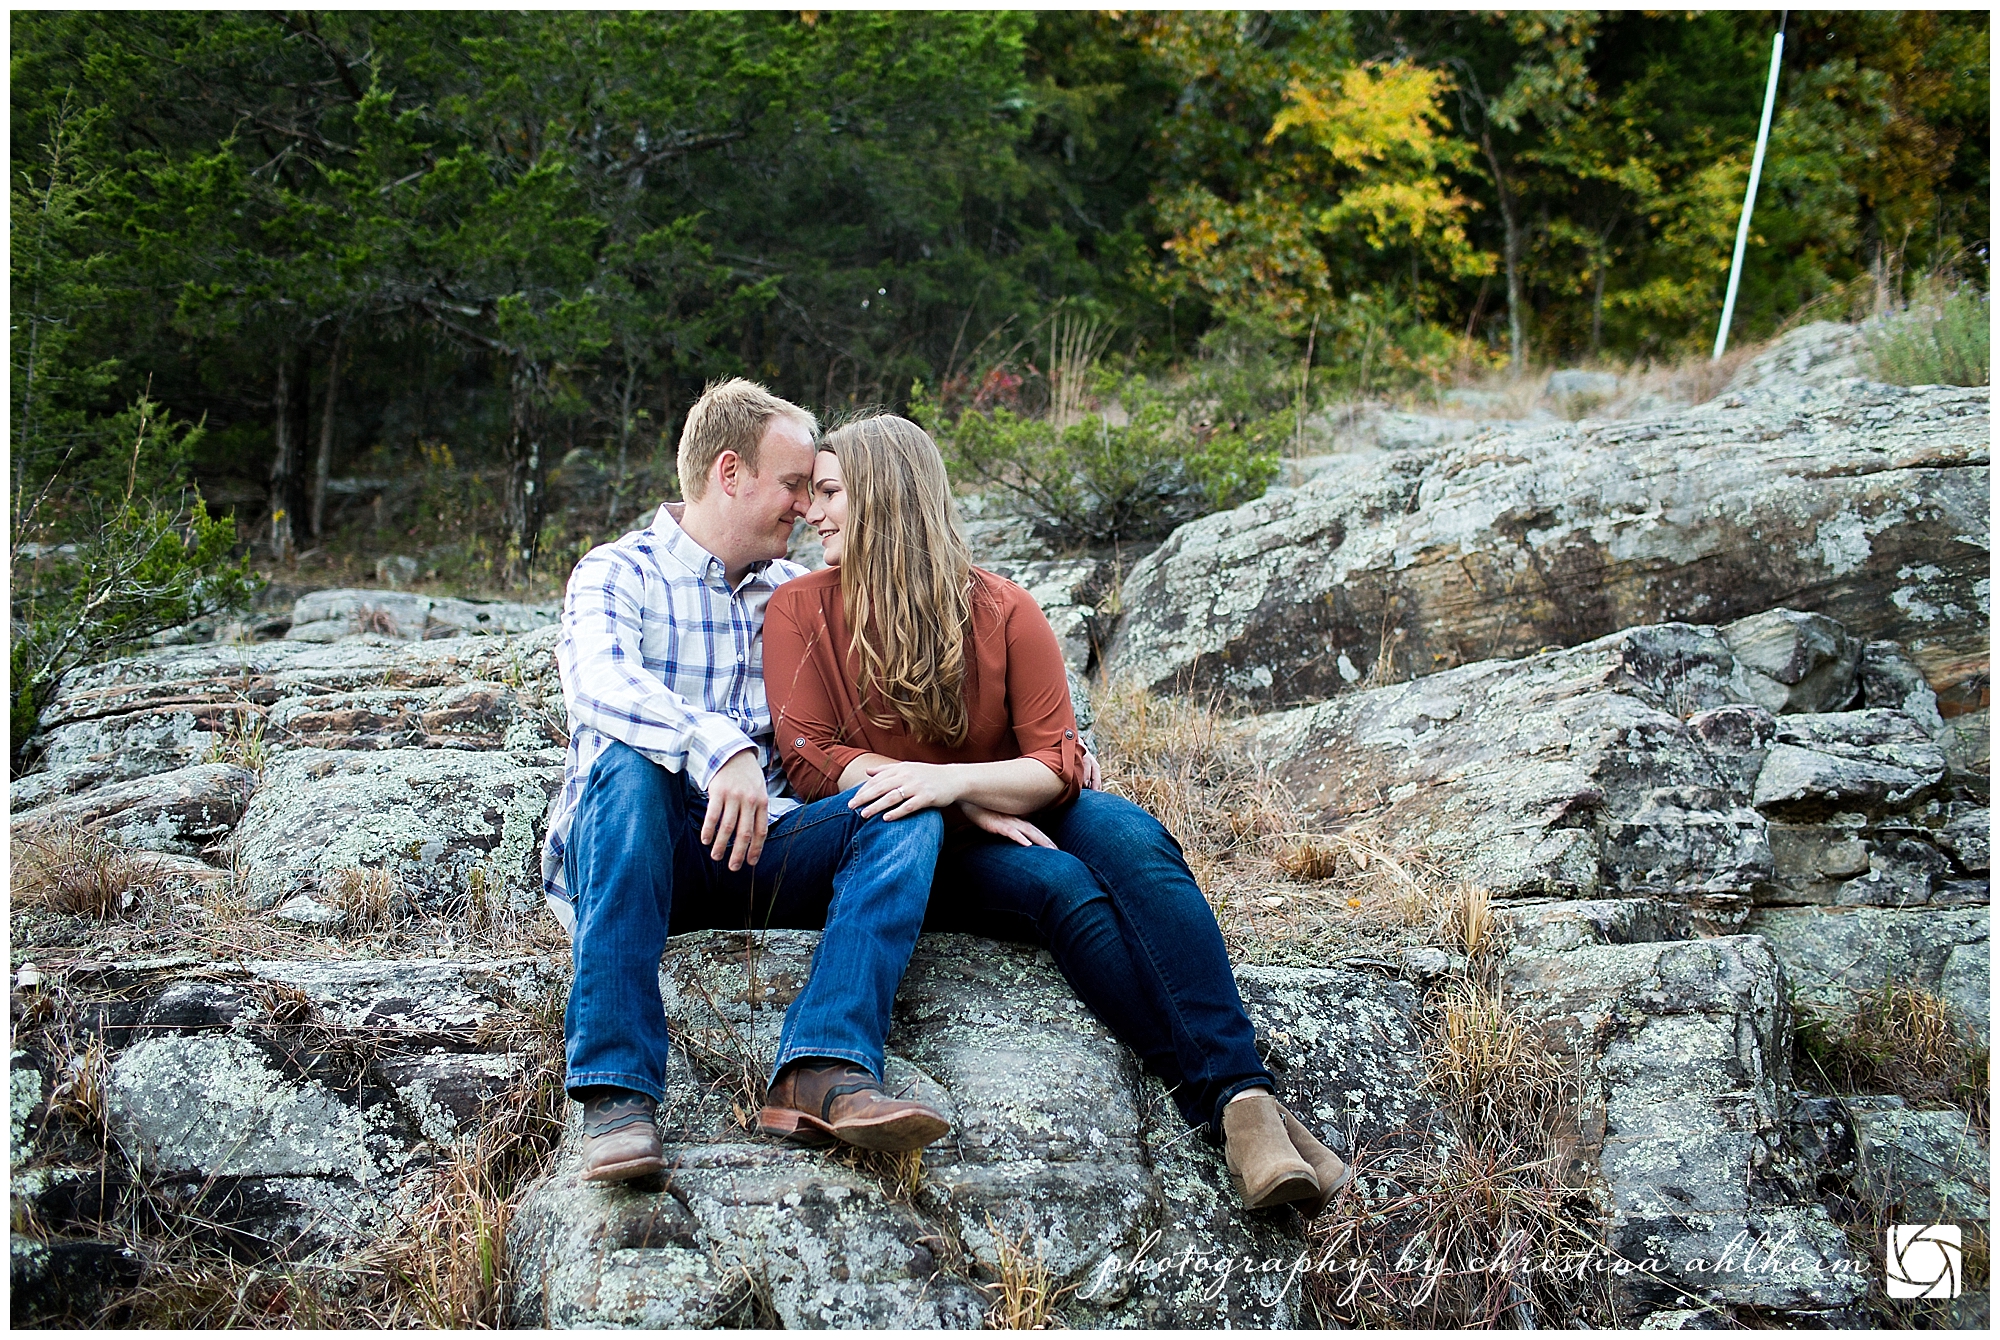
(659, 653)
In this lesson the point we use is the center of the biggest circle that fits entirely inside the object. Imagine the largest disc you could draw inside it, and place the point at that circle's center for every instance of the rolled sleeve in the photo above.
(607, 687)
(1038, 697)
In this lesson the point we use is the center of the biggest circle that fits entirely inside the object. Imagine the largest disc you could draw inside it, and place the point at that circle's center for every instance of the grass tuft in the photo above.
(1492, 1183)
(371, 899)
(241, 741)
(1898, 1038)
(75, 872)
(1024, 1289)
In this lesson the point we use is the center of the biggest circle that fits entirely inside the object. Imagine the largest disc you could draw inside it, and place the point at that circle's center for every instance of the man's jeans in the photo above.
(638, 872)
(1129, 928)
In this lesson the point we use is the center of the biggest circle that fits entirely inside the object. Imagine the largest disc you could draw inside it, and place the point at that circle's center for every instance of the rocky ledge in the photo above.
(1692, 831)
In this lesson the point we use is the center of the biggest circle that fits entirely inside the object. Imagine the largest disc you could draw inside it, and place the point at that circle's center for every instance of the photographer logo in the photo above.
(1924, 1260)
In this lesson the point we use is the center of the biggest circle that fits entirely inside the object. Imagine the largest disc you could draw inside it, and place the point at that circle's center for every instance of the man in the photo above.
(673, 814)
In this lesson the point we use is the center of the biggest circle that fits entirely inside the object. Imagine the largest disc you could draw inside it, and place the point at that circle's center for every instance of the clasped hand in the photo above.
(898, 790)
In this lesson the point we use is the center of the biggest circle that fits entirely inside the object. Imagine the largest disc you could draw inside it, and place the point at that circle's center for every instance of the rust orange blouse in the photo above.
(1016, 693)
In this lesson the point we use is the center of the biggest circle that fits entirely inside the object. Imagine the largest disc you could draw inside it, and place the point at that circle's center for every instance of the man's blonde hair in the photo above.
(730, 416)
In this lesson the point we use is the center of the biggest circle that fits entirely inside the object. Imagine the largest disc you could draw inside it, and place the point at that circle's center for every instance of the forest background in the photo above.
(291, 287)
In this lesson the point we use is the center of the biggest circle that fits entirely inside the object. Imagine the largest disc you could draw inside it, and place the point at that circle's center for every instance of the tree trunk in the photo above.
(1510, 222)
(1597, 309)
(525, 501)
(288, 482)
(324, 465)
(1597, 298)
(627, 393)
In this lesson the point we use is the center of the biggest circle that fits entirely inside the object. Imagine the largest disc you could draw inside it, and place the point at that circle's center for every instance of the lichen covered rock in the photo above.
(1643, 764)
(1862, 502)
(1056, 1142)
(439, 821)
(1687, 1044)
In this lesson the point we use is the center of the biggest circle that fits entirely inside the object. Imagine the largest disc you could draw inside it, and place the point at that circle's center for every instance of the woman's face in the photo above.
(829, 505)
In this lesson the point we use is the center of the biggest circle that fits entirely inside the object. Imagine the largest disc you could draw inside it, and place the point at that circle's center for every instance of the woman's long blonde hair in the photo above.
(905, 576)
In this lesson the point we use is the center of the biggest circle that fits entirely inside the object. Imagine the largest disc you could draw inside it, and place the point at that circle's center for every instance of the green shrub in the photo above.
(1093, 481)
(1943, 340)
(101, 576)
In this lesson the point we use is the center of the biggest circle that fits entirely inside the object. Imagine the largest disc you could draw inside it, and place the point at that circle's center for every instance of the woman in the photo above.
(926, 683)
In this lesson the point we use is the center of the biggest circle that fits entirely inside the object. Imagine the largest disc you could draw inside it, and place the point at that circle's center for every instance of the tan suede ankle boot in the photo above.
(1263, 1166)
(1329, 1168)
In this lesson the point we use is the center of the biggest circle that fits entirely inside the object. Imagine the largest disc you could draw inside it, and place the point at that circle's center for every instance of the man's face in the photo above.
(767, 502)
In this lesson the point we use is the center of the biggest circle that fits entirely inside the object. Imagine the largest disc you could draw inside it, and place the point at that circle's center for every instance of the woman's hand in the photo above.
(1093, 776)
(898, 790)
(1010, 826)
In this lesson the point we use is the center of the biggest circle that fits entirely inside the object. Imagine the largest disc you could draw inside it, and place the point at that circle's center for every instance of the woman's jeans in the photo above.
(638, 871)
(1129, 928)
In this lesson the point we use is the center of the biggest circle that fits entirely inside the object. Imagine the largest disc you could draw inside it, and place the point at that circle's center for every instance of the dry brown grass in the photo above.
(447, 1266)
(1898, 1038)
(371, 899)
(1283, 892)
(80, 1093)
(1024, 1292)
(74, 872)
(1693, 379)
(1491, 1183)
(1904, 1040)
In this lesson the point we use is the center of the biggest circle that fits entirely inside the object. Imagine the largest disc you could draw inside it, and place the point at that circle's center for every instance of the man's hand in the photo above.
(738, 807)
(1010, 826)
(898, 790)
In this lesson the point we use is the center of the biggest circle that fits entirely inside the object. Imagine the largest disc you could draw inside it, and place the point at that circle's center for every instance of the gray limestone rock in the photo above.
(1966, 983)
(216, 683)
(1568, 773)
(1554, 927)
(1873, 498)
(1832, 954)
(1055, 1137)
(1819, 353)
(1795, 662)
(214, 1104)
(184, 812)
(1791, 775)
(1968, 836)
(1687, 1044)
(332, 616)
(1922, 1167)
(301, 910)
(1581, 382)
(430, 817)
(1067, 591)
(396, 570)
(1890, 679)
(301, 1138)
(99, 750)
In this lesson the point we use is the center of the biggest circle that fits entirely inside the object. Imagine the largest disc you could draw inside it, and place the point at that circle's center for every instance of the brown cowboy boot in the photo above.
(1263, 1166)
(620, 1138)
(815, 1102)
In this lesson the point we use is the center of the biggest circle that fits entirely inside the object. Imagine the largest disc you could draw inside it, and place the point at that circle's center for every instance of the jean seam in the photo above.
(812, 972)
(1153, 961)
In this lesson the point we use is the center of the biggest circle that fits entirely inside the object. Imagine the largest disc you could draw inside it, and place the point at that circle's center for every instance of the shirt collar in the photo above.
(697, 560)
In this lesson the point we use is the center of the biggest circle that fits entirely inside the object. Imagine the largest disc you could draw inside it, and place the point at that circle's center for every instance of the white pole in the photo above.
(1750, 196)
